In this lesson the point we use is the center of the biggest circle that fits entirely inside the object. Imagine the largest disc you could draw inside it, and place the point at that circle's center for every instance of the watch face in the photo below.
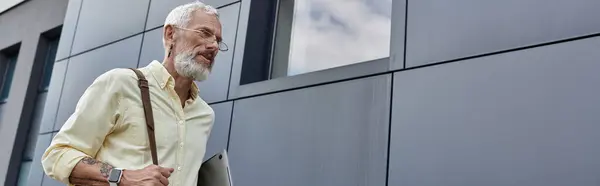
(114, 176)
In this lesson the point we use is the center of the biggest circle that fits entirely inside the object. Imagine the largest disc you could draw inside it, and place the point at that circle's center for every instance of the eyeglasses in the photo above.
(206, 35)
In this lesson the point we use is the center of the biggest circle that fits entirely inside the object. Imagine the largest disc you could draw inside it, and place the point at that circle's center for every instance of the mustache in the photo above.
(208, 64)
(208, 55)
(193, 56)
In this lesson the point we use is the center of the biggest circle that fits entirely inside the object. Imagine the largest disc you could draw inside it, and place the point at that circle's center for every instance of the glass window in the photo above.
(36, 115)
(24, 173)
(34, 126)
(7, 73)
(49, 64)
(312, 35)
(1, 112)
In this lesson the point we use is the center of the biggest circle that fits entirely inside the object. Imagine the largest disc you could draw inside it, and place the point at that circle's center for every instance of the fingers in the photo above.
(157, 183)
(161, 173)
(159, 177)
(164, 180)
(166, 172)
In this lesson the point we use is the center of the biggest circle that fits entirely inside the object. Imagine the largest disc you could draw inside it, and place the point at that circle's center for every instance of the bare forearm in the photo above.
(90, 172)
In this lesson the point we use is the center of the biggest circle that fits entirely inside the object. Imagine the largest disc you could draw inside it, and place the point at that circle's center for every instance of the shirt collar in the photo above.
(163, 78)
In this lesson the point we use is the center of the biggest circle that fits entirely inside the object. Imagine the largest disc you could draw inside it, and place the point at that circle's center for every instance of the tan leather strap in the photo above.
(143, 84)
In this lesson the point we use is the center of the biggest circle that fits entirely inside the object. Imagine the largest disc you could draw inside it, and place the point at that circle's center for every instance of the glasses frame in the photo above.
(222, 45)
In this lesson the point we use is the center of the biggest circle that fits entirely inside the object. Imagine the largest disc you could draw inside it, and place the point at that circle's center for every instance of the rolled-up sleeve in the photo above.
(82, 135)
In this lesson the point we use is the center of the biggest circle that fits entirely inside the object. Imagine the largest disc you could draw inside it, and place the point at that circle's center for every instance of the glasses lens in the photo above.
(223, 46)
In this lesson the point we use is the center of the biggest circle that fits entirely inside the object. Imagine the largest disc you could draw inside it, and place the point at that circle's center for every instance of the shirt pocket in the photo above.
(166, 130)
(165, 127)
(133, 130)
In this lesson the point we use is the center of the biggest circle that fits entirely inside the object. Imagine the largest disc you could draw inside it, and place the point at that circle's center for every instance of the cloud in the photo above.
(333, 33)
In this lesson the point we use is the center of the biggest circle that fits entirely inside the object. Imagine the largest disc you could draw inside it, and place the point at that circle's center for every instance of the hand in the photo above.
(151, 175)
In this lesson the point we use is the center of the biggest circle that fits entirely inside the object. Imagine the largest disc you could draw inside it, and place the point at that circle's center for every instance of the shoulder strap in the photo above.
(143, 84)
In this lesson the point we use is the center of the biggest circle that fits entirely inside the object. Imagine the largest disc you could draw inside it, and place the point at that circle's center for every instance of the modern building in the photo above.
(336, 93)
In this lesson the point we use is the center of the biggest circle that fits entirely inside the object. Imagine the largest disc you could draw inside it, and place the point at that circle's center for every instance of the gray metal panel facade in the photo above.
(159, 9)
(333, 135)
(54, 92)
(441, 30)
(36, 175)
(152, 49)
(219, 136)
(525, 118)
(66, 39)
(23, 24)
(47, 181)
(103, 22)
(473, 93)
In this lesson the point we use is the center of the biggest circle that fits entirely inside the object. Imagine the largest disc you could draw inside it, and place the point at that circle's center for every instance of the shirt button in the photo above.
(180, 122)
(179, 168)
(181, 144)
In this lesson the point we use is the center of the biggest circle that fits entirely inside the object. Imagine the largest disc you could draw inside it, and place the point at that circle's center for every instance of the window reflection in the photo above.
(48, 65)
(313, 35)
(7, 76)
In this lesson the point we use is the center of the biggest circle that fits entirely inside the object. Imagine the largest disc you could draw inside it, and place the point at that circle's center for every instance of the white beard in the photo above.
(186, 66)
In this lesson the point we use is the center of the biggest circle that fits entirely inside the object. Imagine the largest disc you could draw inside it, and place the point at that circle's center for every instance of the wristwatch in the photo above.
(114, 178)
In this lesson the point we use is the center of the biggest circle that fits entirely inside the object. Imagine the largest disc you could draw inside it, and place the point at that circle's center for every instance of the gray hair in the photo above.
(181, 15)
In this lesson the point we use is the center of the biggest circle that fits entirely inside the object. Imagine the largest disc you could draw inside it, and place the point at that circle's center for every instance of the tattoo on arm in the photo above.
(89, 161)
(84, 178)
(104, 167)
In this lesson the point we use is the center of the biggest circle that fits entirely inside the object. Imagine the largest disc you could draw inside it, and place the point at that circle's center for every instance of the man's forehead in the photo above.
(204, 17)
(205, 22)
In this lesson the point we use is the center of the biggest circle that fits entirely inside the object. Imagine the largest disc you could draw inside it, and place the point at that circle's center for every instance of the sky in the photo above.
(332, 33)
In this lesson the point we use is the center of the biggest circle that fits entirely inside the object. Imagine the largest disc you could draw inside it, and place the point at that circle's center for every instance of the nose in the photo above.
(212, 46)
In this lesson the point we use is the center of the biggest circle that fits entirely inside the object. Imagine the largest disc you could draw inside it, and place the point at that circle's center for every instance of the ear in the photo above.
(168, 34)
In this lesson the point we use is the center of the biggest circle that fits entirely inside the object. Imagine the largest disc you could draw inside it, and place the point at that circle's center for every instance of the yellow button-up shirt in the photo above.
(108, 124)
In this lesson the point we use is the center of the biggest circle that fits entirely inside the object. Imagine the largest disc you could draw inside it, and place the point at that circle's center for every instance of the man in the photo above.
(107, 132)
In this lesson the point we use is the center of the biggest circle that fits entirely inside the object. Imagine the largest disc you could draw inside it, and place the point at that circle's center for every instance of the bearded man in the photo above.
(106, 134)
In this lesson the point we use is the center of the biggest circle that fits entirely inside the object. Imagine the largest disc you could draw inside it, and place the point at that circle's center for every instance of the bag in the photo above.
(143, 84)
